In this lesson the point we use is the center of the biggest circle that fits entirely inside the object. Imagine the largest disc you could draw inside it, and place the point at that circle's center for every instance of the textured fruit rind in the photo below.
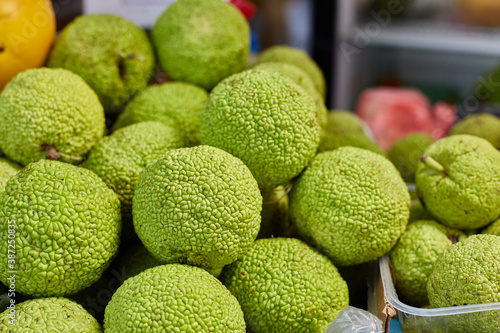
(53, 314)
(483, 125)
(352, 204)
(199, 206)
(415, 254)
(264, 119)
(201, 41)
(112, 54)
(290, 55)
(176, 104)
(283, 285)
(173, 298)
(7, 171)
(67, 228)
(119, 158)
(468, 272)
(406, 153)
(467, 196)
(43, 106)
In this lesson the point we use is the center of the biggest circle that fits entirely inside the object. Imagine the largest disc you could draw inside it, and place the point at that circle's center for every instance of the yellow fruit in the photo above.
(27, 31)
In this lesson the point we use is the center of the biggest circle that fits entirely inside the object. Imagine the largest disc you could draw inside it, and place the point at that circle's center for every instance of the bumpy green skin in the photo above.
(42, 107)
(67, 228)
(119, 158)
(415, 254)
(466, 196)
(275, 216)
(300, 77)
(344, 122)
(201, 41)
(468, 272)
(129, 262)
(483, 125)
(113, 55)
(350, 203)
(199, 206)
(406, 153)
(53, 314)
(283, 285)
(332, 141)
(290, 55)
(344, 129)
(266, 120)
(173, 298)
(176, 104)
(7, 171)
(493, 228)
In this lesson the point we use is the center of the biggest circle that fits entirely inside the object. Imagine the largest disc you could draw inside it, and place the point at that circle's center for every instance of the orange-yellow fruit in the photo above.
(27, 31)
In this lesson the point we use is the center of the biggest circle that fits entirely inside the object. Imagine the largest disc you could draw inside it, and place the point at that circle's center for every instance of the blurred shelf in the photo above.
(444, 37)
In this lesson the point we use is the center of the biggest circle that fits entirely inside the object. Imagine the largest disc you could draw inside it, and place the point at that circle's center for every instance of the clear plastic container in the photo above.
(467, 318)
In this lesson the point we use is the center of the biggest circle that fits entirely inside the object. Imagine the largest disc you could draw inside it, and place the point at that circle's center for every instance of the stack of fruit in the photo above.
(229, 197)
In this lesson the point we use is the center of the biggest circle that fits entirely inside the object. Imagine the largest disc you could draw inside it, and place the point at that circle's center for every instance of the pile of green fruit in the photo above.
(227, 199)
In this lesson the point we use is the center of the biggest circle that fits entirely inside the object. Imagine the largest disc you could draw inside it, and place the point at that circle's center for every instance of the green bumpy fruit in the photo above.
(66, 224)
(300, 77)
(352, 204)
(468, 272)
(119, 158)
(53, 314)
(415, 254)
(483, 125)
(198, 206)
(267, 121)
(297, 57)
(493, 228)
(176, 104)
(173, 298)
(458, 179)
(7, 171)
(112, 54)
(49, 113)
(283, 285)
(406, 153)
(345, 129)
(201, 41)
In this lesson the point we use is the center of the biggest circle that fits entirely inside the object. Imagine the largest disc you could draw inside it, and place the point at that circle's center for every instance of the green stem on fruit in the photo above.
(433, 164)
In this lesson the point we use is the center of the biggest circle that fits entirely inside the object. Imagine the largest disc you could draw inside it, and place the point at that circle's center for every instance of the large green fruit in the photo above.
(53, 314)
(49, 113)
(119, 159)
(201, 41)
(467, 273)
(290, 55)
(415, 254)
(352, 204)
(198, 206)
(63, 223)
(176, 104)
(113, 55)
(173, 298)
(283, 285)
(266, 120)
(7, 171)
(483, 125)
(458, 179)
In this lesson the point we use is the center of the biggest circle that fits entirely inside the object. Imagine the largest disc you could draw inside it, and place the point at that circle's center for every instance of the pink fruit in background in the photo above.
(392, 113)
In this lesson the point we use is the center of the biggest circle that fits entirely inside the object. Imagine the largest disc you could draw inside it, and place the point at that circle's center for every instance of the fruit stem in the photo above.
(433, 164)
(52, 153)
